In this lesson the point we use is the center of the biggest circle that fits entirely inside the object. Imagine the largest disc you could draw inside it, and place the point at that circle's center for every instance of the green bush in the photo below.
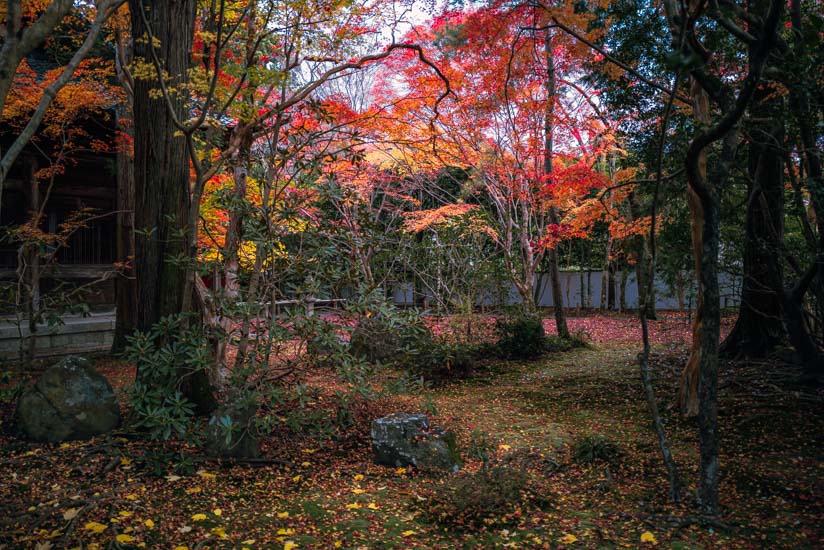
(521, 337)
(390, 338)
(442, 361)
(558, 344)
(475, 498)
(596, 448)
(163, 355)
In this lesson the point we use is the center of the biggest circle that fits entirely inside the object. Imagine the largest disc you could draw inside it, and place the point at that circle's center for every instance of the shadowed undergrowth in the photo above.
(534, 417)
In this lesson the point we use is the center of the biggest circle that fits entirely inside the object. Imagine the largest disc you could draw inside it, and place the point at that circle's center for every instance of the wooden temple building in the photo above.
(71, 278)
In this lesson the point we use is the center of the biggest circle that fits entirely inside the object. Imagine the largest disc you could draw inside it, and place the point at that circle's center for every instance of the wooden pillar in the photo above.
(29, 270)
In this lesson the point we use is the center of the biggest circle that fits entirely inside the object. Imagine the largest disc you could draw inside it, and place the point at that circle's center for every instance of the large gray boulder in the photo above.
(70, 400)
(230, 433)
(405, 439)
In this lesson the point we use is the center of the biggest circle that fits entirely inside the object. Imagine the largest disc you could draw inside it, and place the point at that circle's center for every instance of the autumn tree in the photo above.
(24, 26)
(512, 127)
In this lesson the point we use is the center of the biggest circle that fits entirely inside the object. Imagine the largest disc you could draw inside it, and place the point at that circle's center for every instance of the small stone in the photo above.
(71, 400)
(230, 433)
(404, 439)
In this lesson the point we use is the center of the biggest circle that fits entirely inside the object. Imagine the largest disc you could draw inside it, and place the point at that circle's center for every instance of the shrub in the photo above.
(163, 356)
(380, 338)
(475, 498)
(442, 360)
(558, 344)
(596, 448)
(521, 337)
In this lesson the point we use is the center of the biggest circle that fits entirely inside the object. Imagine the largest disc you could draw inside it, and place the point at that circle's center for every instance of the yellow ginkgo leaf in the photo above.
(95, 527)
(149, 523)
(305, 464)
(217, 511)
(125, 514)
(283, 515)
(353, 506)
(283, 531)
(400, 471)
(192, 490)
(504, 447)
(199, 517)
(372, 506)
(206, 475)
(568, 539)
(289, 545)
(125, 461)
(408, 533)
(219, 532)
(124, 539)
(358, 491)
(646, 536)
(358, 477)
(296, 478)
(181, 547)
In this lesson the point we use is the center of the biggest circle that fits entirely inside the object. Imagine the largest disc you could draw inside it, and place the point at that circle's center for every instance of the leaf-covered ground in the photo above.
(120, 491)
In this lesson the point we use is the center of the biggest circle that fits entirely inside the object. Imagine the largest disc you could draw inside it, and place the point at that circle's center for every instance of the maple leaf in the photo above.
(95, 527)
(646, 536)
(568, 539)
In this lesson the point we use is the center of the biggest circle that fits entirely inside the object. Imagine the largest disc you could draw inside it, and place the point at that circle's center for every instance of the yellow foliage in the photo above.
(646, 536)
(568, 539)
(95, 527)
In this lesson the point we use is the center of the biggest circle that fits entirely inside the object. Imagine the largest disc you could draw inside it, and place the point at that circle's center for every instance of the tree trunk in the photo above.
(234, 231)
(623, 287)
(602, 306)
(125, 283)
(31, 256)
(799, 335)
(759, 329)
(161, 172)
(549, 128)
(807, 112)
(708, 378)
(610, 287)
(688, 388)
